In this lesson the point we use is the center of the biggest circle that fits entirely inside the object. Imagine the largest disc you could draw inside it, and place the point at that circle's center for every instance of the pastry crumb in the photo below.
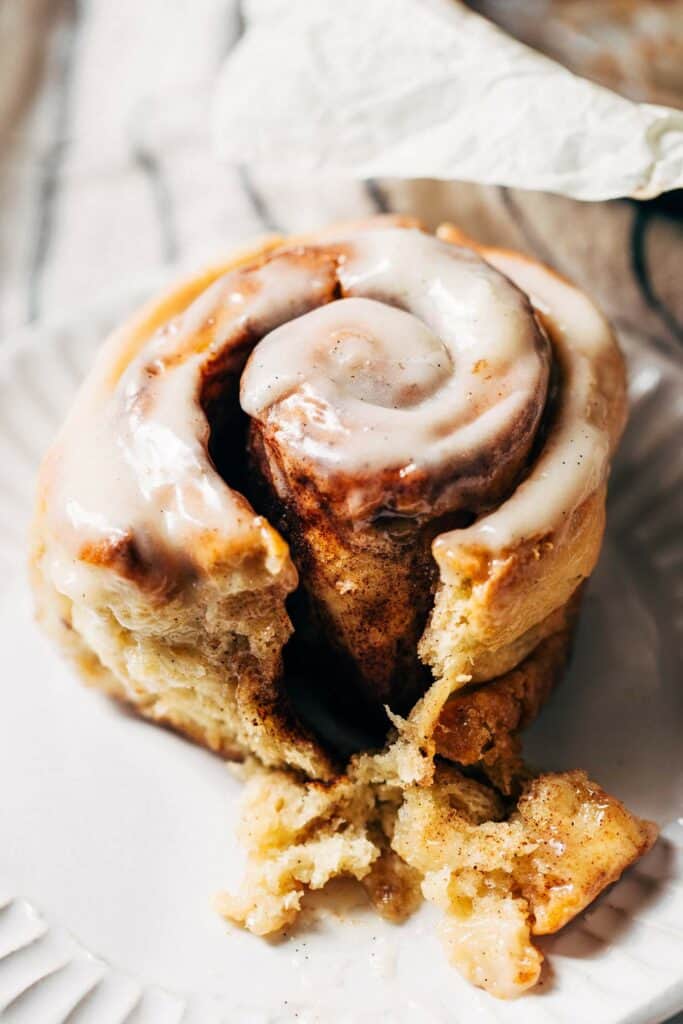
(500, 878)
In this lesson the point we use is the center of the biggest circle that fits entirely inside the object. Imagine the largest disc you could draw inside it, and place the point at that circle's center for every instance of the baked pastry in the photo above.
(500, 874)
(439, 490)
(355, 478)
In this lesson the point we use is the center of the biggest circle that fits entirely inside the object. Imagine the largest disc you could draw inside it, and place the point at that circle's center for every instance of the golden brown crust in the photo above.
(500, 878)
(501, 881)
(368, 592)
(198, 644)
(585, 839)
(491, 605)
(393, 886)
(153, 571)
(489, 613)
(479, 722)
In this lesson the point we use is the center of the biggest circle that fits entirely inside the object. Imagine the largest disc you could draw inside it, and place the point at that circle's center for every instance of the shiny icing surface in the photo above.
(574, 460)
(431, 369)
(430, 347)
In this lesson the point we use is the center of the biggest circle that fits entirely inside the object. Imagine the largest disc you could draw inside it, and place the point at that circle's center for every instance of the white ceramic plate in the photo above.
(114, 834)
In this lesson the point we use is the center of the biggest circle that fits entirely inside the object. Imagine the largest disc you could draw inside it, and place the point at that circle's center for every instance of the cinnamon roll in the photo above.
(389, 444)
(500, 875)
(335, 496)
(374, 427)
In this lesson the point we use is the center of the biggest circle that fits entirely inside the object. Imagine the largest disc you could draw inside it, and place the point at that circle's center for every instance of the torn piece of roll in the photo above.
(394, 444)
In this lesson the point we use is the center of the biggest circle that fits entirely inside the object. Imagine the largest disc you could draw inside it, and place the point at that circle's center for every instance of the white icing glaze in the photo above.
(132, 457)
(134, 461)
(440, 364)
(574, 460)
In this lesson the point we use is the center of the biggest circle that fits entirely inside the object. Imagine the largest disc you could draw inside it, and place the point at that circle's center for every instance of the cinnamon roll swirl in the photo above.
(375, 426)
(390, 444)
(342, 483)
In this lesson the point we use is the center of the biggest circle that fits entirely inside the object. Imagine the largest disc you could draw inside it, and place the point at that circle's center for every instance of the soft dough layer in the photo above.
(170, 590)
(438, 516)
(499, 876)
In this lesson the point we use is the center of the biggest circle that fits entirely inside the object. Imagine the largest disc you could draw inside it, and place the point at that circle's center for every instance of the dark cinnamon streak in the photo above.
(360, 651)
(368, 581)
(148, 565)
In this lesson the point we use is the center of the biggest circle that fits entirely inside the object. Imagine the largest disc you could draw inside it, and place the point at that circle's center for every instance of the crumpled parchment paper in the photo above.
(426, 88)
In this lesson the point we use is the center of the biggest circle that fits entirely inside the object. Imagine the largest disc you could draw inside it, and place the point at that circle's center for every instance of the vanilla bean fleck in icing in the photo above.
(385, 357)
(433, 365)
(574, 460)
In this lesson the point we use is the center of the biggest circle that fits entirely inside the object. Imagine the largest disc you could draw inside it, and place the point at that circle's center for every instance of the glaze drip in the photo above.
(417, 393)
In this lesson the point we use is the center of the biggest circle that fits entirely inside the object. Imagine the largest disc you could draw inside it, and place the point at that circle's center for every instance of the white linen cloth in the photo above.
(108, 176)
(427, 88)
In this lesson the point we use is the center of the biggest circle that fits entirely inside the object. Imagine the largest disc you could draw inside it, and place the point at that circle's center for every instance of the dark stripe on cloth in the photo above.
(520, 220)
(642, 217)
(150, 165)
(257, 200)
(66, 34)
(377, 195)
